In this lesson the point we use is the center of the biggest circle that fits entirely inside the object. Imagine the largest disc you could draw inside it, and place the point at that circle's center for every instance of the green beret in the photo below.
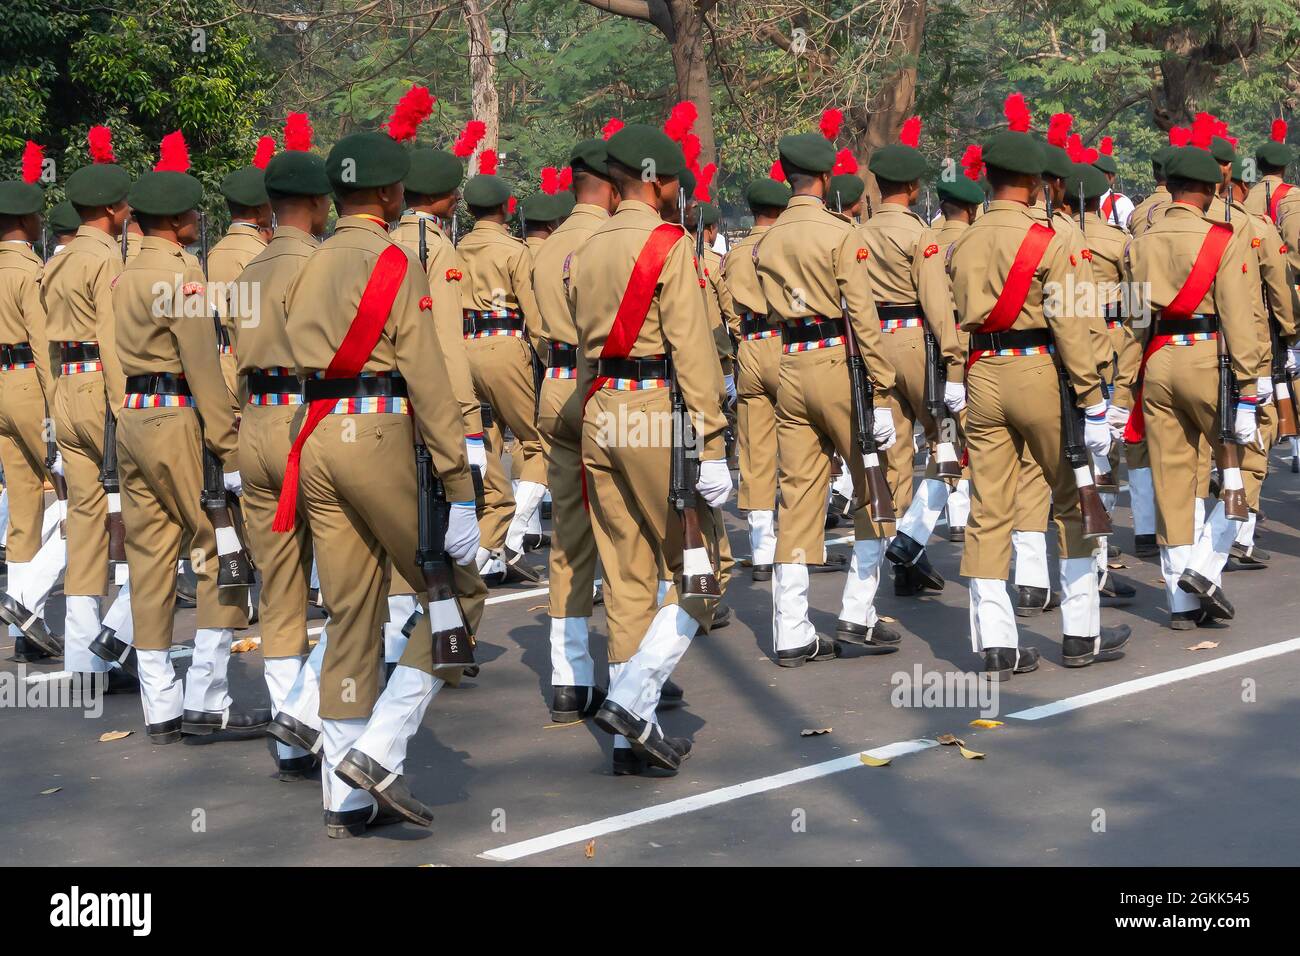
(296, 172)
(165, 194)
(486, 191)
(18, 198)
(643, 148)
(709, 214)
(846, 189)
(1016, 152)
(962, 189)
(768, 192)
(686, 181)
(564, 202)
(1273, 153)
(810, 151)
(591, 153)
(1093, 180)
(1161, 156)
(367, 160)
(1222, 150)
(64, 218)
(245, 187)
(539, 207)
(100, 184)
(1056, 161)
(1106, 164)
(434, 172)
(1238, 168)
(1189, 162)
(897, 163)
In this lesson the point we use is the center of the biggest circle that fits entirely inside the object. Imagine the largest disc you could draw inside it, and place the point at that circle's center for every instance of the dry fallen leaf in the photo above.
(244, 645)
(575, 723)
(814, 731)
(538, 607)
(985, 723)
(1116, 565)
(971, 754)
(888, 620)
(46, 793)
(949, 739)
(114, 735)
(590, 851)
(1204, 646)
(871, 761)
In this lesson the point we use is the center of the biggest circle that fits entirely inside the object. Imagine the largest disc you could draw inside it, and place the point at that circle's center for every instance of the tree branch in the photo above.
(633, 9)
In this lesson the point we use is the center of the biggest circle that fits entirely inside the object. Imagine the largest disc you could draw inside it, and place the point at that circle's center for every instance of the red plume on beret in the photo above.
(612, 126)
(173, 154)
(1016, 111)
(487, 162)
(1204, 127)
(411, 110)
(565, 178)
(703, 178)
(1106, 146)
(680, 120)
(845, 162)
(512, 205)
(265, 150)
(1278, 133)
(100, 140)
(1179, 136)
(550, 180)
(830, 123)
(776, 172)
(469, 138)
(691, 150)
(911, 132)
(33, 157)
(1074, 146)
(972, 161)
(1058, 129)
(297, 132)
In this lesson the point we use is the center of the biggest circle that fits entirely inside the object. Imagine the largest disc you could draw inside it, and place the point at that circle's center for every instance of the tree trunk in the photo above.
(691, 65)
(482, 76)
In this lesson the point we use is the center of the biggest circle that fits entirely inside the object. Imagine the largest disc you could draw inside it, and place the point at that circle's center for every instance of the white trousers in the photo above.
(337, 738)
(959, 504)
(862, 582)
(1142, 498)
(791, 627)
(571, 663)
(1080, 604)
(80, 627)
(1213, 542)
(1030, 549)
(207, 686)
(923, 513)
(400, 609)
(641, 681)
(762, 536)
(302, 702)
(1172, 562)
(281, 674)
(992, 620)
(161, 691)
(397, 715)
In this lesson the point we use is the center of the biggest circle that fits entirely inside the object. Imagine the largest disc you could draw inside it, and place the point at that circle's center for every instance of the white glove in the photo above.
(954, 396)
(882, 428)
(1292, 360)
(57, 466)
(730, 382)
(1096, 433)
(714, 482)
(462, 532)
(1245, 426)
(234, 484)
(476, 452)
(1264, 389)
(1117, 419)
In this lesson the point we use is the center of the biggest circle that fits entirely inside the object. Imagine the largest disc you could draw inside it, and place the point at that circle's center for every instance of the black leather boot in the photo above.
(1106, 646)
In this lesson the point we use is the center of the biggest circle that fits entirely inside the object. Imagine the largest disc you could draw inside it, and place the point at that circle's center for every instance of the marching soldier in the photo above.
(358, 323)
(813, 268)
(1003, 267)
(1197, 271)
(501, 330)
(176, 404)
(1146, 212)
(641, 324)
(78, 295)
(1114, 207)
(64, 223)
(26, 394)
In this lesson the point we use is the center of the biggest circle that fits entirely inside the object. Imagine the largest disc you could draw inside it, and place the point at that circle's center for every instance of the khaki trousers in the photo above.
(359, 492)
(501, 366)
(758, 376)
(573, 545)
(22, 452)
(79, 406)
(498, 496)
(1033, 496)
(814, 420)
(1014, 404)
(160, 464)
(628, 472)
(284, 560)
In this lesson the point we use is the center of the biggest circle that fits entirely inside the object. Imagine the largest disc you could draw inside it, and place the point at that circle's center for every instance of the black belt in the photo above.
(472, 322)
(751, 323)
(79, 352)
(1189, 326)
(811, 331)
(18, 354)
(638, 369)
(1013, 339)
(264, 383)
(561, 355)
(907, 310)
(159, 383)
(365, 386)
(1114, 311)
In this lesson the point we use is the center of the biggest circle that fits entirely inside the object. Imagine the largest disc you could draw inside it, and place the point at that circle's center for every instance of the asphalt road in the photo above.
(1185, 767)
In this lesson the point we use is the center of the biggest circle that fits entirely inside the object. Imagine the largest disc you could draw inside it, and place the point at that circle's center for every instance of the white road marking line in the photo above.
(52, 675)
(663, 811)
(1157, 680)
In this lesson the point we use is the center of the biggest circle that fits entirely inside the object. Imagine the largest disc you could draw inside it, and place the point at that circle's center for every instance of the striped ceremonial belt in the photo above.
(14, 367)
(810, 333)
(1191, 338)
(562, 361)
(636, 384)
(754, 327)
(17, 356)
(390, 397)
(1030, 350)
(893, 325)
(483, 324)
(158, 390)
(290, 394)
(79, 357)
(73, 368)
(155, 400)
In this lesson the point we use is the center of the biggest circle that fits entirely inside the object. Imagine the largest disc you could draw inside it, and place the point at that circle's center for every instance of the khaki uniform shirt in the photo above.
(445, 276)
(676, 324)
(807, 260)
(945, 236)
(241, 244)
(1149, 210)
(978, 265)
(742, 292)
(716, 293)
(551, 278)
(259, 338)
(321, 307)
(78, 295)
(22, 316)
(1288, 215)
(498, 274)
(173, 332)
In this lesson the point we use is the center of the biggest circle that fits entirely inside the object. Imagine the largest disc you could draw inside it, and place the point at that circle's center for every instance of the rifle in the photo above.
(452, 644)
(108, 477)
(125, 223)
(1288, 421)
(1096, 522)
(1232, 493)
(1105, 476)
(936, 377)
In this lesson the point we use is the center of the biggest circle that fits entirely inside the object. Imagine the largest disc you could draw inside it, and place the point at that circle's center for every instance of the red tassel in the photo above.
(173, 154)
(830, 123)
(1204, 126)
(1016, 111)
(703, 178)
(100, 140)
(469, 138)
(680, 120)
(776, 172)
(487, 162)
(286, 512)
(550, 180)
(611, 127)
(845, 162)
(565, 179)
(1179, 136)
(411, 110)
(33, 157)
(1107, 145)
(1058, 128)
(297, 132)
(911, 133)
(972, 161)
(1278, 133)
(265, 150)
